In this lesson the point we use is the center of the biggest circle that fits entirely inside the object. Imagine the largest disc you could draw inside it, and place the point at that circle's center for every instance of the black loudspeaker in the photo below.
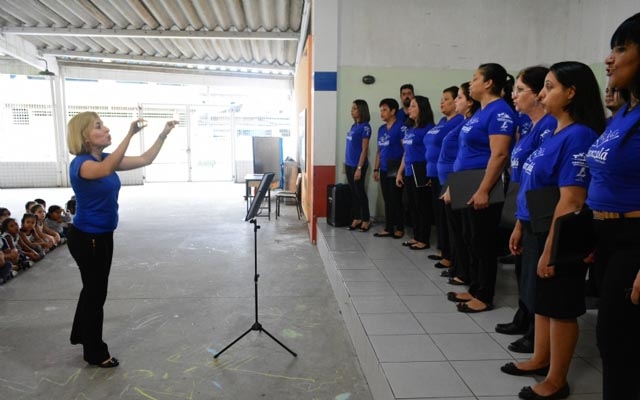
(338, 204)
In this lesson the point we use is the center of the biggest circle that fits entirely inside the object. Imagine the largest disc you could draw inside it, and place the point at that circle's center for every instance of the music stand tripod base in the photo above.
(251, 214)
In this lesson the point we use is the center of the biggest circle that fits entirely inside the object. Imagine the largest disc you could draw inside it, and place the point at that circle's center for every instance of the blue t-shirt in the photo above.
(496, 118)
(433, 142)
(390, 143)
(561, 160)
(355, 136)
(524, 123)
(529, 141)
(614, 160)
(96, 199)
(448, 153)
(413, 142)
(401, 116)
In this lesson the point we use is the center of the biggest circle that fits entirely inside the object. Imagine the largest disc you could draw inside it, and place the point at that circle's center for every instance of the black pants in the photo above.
(420, 203)
(483, 228)
(360, 203)
(393, 210)
(618, 327)
(93, 254)
(440, 219)
(460, 256)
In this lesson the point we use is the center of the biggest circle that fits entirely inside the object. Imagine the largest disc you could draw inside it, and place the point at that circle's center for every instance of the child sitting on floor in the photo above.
(29, 236)
(57, 220)
(13, 251)
(44, 231)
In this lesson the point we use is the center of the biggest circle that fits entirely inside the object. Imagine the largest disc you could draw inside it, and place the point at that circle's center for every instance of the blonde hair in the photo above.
(78, 129)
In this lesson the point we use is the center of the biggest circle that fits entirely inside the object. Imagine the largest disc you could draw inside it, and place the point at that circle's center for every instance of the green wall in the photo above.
(427, 82)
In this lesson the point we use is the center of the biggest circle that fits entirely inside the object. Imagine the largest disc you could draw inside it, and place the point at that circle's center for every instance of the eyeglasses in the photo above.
(517, 91)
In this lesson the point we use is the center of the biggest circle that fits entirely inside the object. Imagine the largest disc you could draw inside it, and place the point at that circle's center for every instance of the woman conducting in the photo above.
(90, 239)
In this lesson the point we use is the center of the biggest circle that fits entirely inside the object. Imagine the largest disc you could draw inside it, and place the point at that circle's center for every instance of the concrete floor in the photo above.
(181, 289)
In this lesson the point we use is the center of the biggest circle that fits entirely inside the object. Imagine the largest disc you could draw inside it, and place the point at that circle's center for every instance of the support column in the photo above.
(324, 28)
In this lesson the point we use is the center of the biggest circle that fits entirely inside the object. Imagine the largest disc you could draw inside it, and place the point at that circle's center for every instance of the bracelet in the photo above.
(359, 167)
(162, 137)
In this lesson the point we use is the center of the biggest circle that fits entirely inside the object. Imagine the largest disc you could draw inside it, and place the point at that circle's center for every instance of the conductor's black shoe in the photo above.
(510, 329)
(110, 363)
(507, 259)
(522, 345)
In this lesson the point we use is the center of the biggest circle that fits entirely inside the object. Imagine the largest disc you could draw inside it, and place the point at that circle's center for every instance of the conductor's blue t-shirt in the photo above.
(96, 199)
(496, 118)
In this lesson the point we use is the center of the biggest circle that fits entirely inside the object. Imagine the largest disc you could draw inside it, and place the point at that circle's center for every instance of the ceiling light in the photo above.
(46, 71)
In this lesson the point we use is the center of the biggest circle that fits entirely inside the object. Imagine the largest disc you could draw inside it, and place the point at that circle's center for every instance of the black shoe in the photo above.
(528, 394)
(446, 274)
(507, 259)
(510, 329)
(512, 369)
(522, 345)
(110, 363)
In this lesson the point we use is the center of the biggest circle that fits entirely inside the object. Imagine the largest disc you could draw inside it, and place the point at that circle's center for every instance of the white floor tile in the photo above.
(457, 322)
(390, 324)
(405, 348)
(424, 379)
(469, 346)
(378, 304)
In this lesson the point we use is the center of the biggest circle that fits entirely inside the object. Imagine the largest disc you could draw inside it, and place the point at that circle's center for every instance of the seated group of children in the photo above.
(38, 233)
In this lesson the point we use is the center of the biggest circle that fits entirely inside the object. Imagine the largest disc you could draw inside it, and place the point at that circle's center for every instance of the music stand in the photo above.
(262, 190)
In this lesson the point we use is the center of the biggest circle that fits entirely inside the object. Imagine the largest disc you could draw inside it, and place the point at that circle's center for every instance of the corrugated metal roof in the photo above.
(218, 35)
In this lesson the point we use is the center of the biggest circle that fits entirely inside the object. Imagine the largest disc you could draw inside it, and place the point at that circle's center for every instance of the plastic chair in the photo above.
(295, 196)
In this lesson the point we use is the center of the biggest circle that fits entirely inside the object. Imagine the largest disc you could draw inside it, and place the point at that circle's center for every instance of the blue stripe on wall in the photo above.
(326, 81)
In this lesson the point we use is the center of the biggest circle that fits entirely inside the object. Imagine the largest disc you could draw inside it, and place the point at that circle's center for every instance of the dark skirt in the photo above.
(562, 296)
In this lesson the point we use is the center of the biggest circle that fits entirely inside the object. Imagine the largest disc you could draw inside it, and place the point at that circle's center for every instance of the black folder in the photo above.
(393, 165)
(464, 184)
(542, 204)
(508, 217)
(420, 174)
(573, 237)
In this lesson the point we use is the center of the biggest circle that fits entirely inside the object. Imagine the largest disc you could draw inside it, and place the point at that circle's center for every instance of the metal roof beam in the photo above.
(26, 52)
(306, 13)
(184, 63)
(149, 34)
